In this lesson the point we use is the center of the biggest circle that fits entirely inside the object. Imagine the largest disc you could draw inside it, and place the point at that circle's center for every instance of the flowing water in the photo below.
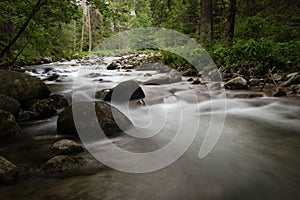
(256, 156)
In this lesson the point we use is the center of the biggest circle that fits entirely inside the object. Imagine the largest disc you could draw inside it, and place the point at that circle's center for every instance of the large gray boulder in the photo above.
(8, 124)
(9, 104)
(171, 77)
(8, 171)
(111, 120)
(21, 86)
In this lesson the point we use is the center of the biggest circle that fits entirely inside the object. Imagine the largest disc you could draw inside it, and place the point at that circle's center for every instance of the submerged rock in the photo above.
(8, 171)
(65, 146)
(9, 104)
(111, 120)
(22, 87)
(237, 83)
(8, 124)
(123, 92)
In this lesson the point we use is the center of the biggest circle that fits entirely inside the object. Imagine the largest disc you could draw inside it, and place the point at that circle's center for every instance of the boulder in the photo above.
(22, 87)
(254, 82)
(111, 120)
(69, 165)
(8, 124)
(9, 104)
(59, 101)
(237, 83)
(114, 65)
(65, 146)
(44, 108)
(196, 82)
(123, 92)
(8, 171)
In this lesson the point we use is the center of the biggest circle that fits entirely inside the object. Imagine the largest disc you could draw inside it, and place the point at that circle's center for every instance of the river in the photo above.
(256, 156)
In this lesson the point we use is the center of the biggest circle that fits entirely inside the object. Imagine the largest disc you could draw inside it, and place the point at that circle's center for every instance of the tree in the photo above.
(206, 22)
(231, 20)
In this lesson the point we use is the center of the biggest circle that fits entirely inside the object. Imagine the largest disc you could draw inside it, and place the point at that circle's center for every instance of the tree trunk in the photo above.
(36, 8)
(231, 20)
(89, 28)
(206, 24)
(83, 24)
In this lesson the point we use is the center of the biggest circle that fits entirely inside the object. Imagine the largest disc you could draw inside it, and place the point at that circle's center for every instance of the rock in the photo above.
(65, 146)
(154, 67)
(254, 82)
(172, 77)
(237, 83)
(111, 120)
(52, 77)
(8, 124)
(22, 87)
(44, 108)
(277, 77)
(196, 82)
(190, 72)
(8, 171)
(25, 115)
(114, 65)
(46, 60)
(68, 165)
(9, 104)
(293, 80)
(279, 92)
(214, 86)
(125, 91)
(59, 101)
(190, 80)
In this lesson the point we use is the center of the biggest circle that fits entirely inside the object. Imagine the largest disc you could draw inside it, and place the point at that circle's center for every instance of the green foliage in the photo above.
(258, 54)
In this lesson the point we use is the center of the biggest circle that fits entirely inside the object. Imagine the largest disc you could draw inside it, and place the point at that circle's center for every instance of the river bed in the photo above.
(255, 157)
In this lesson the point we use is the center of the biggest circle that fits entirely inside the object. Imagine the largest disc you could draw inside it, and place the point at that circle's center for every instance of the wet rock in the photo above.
(25, 115)
(190, 80)
(293, 80)
(9, 104)
(190, 72)
(65, 146)
(52, 77)
(89, 116)
(123, 92)
(279, 92)
(22, 87)
(59, 101)
(277, 77)
(114, 65)
(68, 165)
(254, 82)
(8, 124)
(196, 82)
(44, 108)
(172, 77)
(237, 83)
(8, 171)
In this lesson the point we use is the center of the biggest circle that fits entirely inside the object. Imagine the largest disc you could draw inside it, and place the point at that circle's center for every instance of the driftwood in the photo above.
(269, 75)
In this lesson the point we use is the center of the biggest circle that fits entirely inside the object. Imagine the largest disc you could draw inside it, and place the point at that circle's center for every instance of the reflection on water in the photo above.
(256, 157)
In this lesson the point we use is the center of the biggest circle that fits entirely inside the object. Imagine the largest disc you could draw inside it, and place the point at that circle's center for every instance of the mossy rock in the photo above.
(22, 87)
(8, 124)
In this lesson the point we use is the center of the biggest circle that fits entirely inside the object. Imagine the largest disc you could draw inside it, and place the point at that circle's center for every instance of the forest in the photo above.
(259, 33)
